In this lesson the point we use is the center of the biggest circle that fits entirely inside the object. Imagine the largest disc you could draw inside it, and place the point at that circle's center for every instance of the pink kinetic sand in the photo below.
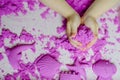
(5, 33)
(47, 66)
(80, 5)
(14, 53)
(26, 36)
(79, 68)
(44, 14)
(9, 77)
(24, 76)
(15, 6)
(104, 69)
(1, 41)
(1, 56)
(69, 75)
(100, 78)
(84, 35)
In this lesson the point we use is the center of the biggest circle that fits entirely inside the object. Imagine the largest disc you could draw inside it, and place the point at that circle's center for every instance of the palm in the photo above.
(93, 25)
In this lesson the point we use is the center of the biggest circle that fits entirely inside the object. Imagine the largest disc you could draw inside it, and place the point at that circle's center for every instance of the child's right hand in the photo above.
(73, 22)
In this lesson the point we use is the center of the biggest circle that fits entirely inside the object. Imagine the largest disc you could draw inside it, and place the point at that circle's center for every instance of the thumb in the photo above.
(74, 31)
(68, 30)
(75, 26)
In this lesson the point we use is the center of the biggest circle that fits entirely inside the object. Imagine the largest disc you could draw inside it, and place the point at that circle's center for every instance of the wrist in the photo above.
(88, 17)
(71, 13)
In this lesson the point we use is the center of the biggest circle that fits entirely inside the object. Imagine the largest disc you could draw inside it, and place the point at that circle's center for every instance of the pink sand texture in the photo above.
(1, 56)
(14, 53)
(80, 5)
(26, 36)
(1, 41)
(84, 35)
(101, 78)
(9, 77)
(69, 75)
(47, 66)
(15, 6)
(24, 76)
(79, 68)
(6, 33)
(104, 69)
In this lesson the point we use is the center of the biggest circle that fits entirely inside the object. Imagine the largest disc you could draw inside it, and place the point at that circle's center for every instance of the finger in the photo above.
(74, 30)
(68, 30)
(92, 42)
(75, 43)
(75, 25)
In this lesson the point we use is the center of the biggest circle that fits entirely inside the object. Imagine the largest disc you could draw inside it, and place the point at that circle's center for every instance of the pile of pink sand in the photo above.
(84, 34)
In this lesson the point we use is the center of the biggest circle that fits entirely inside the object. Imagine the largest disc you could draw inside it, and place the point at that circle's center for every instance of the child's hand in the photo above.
(90, 44)
(93, 25)
(73, 23)
(89, 22)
